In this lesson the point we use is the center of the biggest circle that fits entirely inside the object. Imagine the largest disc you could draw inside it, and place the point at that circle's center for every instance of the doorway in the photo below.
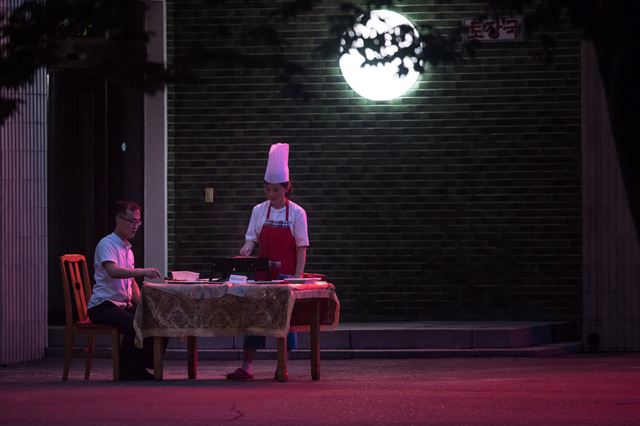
(95, 159)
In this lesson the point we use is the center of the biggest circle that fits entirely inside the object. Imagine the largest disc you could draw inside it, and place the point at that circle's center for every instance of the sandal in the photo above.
(239, 374)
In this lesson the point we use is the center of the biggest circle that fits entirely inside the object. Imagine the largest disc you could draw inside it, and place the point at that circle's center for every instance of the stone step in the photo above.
(388, 340)
(539, 351)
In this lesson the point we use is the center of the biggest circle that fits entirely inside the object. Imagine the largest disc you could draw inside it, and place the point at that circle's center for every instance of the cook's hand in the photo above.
(247, 248)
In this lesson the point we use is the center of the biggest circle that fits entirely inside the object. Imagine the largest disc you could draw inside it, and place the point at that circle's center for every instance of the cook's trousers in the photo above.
(259, 342)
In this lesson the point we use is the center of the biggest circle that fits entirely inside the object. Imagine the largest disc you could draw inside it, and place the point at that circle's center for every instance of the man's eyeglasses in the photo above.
(130, 220)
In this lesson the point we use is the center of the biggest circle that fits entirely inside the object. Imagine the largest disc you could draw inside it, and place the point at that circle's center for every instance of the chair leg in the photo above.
(68, 349)
(115, 355)
(91, 341)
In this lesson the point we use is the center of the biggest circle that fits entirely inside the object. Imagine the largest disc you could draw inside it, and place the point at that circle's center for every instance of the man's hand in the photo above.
(151, 273)
(115, 271)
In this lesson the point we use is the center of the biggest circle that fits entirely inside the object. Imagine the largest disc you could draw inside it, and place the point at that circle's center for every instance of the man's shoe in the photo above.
(136, 376)
(239, 374)
(128, 377)
(145, 375)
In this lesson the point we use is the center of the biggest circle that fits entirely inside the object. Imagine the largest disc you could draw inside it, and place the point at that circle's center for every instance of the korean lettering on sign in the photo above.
(490, 29)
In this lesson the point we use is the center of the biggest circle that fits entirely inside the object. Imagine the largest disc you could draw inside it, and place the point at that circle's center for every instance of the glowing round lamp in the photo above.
(378, 39)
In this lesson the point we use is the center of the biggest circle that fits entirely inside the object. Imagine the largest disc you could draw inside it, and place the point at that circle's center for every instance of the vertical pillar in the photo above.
(155, 148)
(23, 222)
(611, 251)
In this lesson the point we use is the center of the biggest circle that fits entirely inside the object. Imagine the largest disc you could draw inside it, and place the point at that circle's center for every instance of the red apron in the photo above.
(278, 245)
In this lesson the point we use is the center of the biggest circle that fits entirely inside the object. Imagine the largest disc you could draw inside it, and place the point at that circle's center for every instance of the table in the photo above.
(192, 310)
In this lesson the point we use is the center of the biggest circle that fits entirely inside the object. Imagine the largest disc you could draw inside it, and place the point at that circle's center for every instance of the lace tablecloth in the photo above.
(176, 310)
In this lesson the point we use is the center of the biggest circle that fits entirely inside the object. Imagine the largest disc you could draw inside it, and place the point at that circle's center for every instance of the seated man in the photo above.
(116, 293)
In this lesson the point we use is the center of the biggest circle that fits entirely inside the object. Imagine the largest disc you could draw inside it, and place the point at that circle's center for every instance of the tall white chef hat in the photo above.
(278, 164)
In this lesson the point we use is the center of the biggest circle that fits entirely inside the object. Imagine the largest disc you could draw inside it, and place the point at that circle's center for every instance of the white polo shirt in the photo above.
(116, 290)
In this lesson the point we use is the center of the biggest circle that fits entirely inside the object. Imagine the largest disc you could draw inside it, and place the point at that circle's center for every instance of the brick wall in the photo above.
(458, 201)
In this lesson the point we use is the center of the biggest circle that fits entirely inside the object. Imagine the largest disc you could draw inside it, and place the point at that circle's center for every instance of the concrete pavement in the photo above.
(567, 390)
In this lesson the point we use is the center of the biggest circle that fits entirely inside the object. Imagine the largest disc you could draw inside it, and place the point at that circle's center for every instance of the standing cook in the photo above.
(279, 227)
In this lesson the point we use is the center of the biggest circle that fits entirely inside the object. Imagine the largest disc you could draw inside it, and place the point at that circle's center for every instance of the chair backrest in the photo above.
(76, 286)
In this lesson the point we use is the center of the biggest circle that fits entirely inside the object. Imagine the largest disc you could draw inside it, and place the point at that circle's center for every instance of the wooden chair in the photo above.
(75, 280)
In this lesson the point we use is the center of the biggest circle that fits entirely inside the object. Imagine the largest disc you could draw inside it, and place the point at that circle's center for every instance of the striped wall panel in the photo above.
(23, 224)
(611, 297)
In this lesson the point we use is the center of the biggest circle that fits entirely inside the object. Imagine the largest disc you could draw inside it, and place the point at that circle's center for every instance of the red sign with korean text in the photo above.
(502, 29)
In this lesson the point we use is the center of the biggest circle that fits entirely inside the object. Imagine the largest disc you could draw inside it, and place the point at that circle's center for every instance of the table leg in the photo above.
(282, 359)
(192, 356)
(158, 352)
(315, 341)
